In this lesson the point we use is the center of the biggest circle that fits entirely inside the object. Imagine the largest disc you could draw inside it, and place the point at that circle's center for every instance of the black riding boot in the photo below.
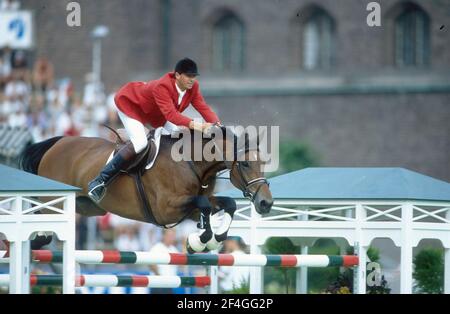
(121, 161)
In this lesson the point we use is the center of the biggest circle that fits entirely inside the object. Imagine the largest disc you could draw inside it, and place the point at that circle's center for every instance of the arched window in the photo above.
(412, 37)
(318, 40)
(228, 44)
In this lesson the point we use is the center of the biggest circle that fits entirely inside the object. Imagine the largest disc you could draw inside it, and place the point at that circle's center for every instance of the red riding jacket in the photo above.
(156, 102)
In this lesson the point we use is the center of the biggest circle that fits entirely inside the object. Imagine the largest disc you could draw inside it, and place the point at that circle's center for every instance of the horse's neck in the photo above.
(206, 169)
(209, 169)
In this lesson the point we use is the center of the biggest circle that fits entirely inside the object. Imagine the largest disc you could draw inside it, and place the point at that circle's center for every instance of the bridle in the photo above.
(245, 185)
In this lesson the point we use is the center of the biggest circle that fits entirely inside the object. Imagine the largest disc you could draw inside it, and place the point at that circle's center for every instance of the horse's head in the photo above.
(246, 174)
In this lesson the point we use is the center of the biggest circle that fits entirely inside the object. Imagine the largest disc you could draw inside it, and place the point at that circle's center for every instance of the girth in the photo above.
(146, 209)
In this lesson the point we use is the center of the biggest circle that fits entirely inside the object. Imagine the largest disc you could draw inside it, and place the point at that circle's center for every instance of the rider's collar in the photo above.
(180, 92)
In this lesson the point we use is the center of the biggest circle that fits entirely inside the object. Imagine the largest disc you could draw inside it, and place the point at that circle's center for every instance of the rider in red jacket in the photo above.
(159, 103)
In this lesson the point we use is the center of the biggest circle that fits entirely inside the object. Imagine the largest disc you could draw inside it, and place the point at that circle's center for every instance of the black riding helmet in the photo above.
(186, 66)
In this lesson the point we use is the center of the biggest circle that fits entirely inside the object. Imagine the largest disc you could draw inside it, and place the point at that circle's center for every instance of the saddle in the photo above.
(144, 157)
(137, 169)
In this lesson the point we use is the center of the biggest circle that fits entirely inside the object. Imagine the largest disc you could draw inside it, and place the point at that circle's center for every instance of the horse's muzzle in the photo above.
(263, 206)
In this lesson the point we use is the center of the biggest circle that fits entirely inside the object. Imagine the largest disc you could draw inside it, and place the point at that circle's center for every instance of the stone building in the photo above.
(359, 95)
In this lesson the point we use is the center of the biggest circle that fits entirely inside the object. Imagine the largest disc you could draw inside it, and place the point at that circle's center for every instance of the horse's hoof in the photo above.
(190, 250)
(194, 244)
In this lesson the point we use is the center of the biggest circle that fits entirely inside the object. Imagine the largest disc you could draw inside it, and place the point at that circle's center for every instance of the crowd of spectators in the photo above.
(31, 96)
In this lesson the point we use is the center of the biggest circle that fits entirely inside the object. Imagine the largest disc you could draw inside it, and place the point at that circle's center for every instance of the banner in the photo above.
(16, 29)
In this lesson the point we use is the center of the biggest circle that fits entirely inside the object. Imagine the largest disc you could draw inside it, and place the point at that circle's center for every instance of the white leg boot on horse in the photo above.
(196, 242)
(228, 205)
(207, 240)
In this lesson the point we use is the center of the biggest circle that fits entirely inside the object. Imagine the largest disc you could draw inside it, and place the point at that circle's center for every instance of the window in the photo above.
(318, 40)
(412, 38)
(228, 44)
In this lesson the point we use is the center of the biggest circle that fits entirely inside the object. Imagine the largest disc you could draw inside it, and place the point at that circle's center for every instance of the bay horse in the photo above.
(174, 190)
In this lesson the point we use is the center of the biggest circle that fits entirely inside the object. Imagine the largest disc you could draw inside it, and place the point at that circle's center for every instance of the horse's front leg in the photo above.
(228, 205)
(197, 241)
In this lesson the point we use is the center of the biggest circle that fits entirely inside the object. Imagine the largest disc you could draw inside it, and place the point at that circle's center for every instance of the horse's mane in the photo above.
(169, 140)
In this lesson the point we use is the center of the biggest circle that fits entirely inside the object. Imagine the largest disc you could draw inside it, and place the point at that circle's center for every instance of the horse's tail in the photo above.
(32, 155)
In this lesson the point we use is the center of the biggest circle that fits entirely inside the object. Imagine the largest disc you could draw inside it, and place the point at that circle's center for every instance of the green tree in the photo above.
(243, 288)
(279, 246)
(429, 270)
(295, 155)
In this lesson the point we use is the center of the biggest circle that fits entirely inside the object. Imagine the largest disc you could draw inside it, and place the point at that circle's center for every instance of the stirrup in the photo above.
(94, 196)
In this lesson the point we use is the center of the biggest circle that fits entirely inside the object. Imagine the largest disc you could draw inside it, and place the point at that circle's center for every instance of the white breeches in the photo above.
(136, 131)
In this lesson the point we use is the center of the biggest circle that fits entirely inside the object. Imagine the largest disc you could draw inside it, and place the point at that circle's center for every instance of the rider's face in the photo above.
(185, 81)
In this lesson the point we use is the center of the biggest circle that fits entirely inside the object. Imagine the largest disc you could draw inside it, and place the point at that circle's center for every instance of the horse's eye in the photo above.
(245, 164)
